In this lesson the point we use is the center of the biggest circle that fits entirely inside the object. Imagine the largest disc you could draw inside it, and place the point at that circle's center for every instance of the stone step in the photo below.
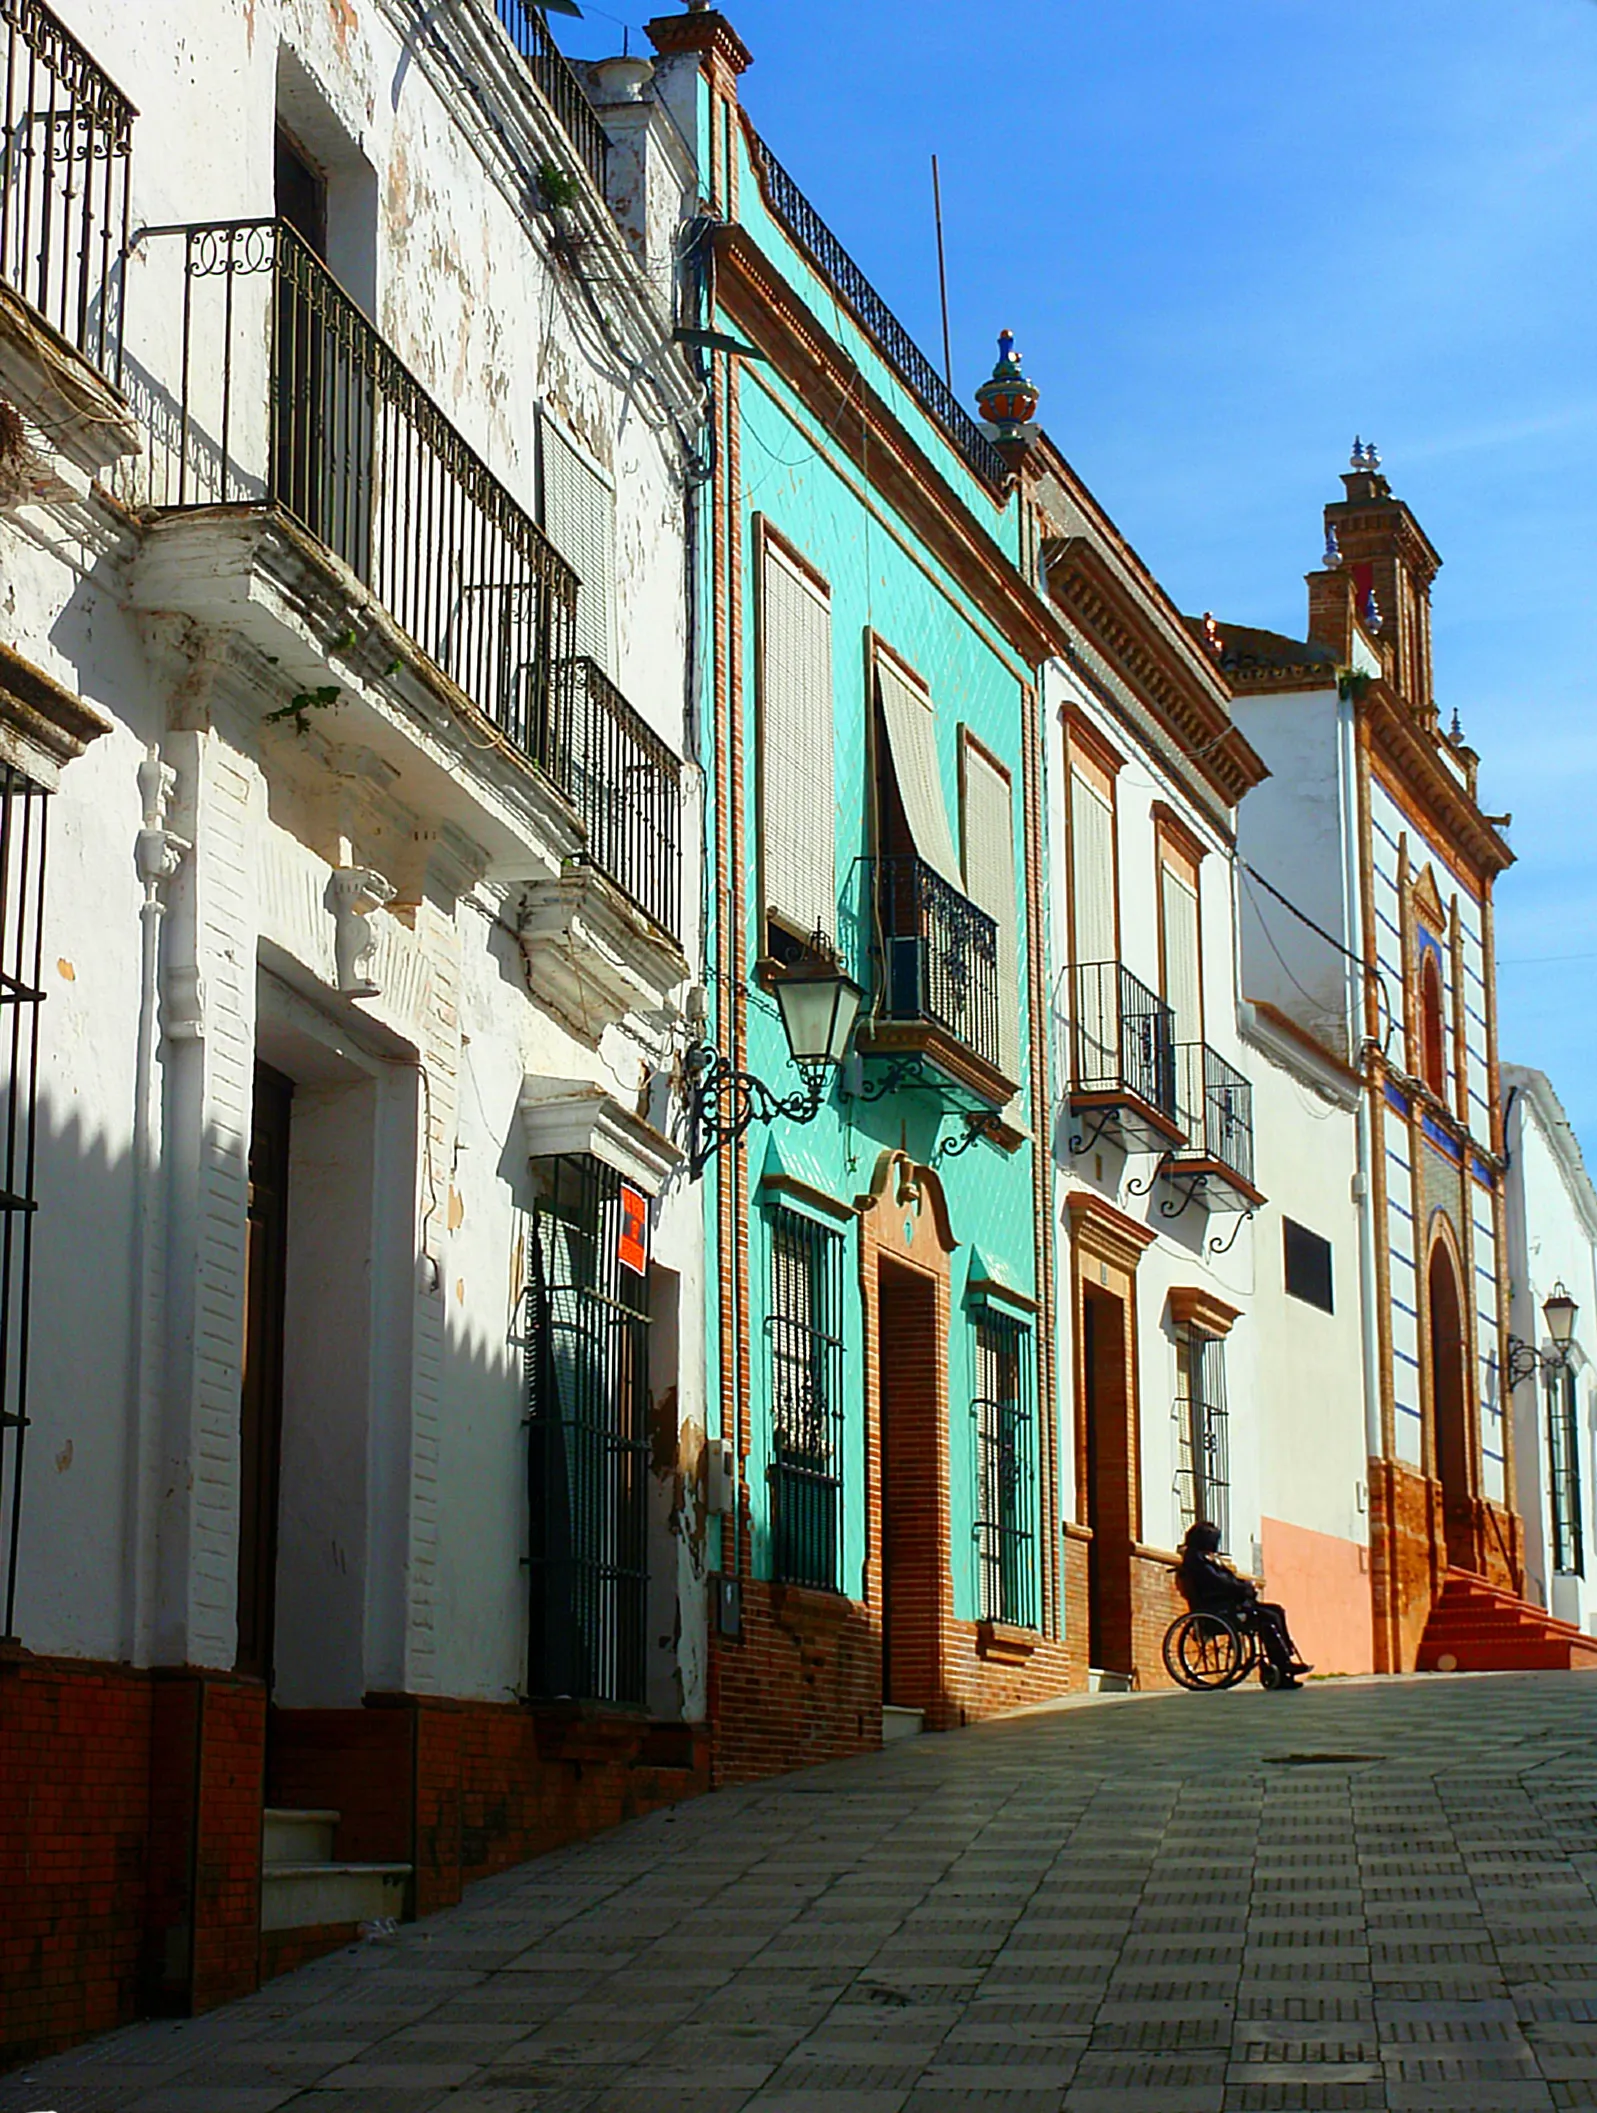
(297, 1836)
(306, 1896)
(1477, 1628)
(1100, 1681)
(901, 1723)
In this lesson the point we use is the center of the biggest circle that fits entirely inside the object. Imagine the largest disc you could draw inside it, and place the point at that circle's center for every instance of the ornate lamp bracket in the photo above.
(1525, 1361)
(725, 1103)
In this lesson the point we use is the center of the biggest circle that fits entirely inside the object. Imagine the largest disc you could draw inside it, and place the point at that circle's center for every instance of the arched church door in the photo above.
(1450, 1409)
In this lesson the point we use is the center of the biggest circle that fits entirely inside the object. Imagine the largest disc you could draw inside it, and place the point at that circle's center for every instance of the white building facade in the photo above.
(1552, 1249)
(1204, 1152)
(345, 457)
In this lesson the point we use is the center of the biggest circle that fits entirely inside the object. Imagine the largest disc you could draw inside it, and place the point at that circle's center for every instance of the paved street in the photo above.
(1367, 1895)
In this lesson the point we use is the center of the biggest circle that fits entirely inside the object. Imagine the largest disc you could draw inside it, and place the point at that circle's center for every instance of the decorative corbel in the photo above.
(157, 854)
(356, 892)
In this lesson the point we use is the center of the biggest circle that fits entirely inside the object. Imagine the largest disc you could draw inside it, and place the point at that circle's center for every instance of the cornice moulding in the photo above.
(577, 1115)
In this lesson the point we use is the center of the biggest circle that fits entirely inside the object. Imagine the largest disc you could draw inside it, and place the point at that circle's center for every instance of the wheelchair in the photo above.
(1215, 1647)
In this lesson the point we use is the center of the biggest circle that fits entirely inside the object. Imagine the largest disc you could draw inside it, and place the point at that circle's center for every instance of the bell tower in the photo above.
(1390, 562)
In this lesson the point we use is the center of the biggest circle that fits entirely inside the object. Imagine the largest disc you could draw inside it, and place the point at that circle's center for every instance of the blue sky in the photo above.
(1228, 236)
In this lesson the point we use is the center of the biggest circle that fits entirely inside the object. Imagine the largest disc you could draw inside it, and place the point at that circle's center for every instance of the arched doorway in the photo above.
(1450, 1408)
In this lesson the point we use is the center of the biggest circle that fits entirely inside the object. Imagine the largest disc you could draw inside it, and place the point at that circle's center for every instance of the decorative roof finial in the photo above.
(1455, 733)
(1006, 399)
(1356, 459)
(1213, 642)
(1372, 457)
(1333, 549)
(1371, 611)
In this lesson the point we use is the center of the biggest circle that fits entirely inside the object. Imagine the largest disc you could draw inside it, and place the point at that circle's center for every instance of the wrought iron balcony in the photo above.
(1216, 1104)
(562, 90)
(793, 212)
(941, 957)
(627, 786)
(1120, 1060)
(289, 397)
(64, 160)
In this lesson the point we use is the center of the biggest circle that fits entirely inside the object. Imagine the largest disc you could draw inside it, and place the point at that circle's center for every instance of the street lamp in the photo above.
(1524, 1359)
(818, 1005)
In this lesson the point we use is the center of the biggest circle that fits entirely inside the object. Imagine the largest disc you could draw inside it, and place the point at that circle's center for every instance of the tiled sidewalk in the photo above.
(1372, 1894)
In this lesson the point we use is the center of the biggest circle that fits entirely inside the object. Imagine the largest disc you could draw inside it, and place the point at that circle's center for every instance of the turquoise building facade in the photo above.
(887, 1524)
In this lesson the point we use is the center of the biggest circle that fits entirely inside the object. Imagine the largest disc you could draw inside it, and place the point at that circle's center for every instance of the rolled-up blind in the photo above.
(912, 742)
(990, 884)
(1092, 871)
(797, 820)
(579, 518)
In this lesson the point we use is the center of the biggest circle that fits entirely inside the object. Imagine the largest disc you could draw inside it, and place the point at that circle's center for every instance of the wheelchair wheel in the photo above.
(1206, 1651)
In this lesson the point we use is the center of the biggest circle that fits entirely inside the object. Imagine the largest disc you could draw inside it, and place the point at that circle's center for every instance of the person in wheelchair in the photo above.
(1208, 1584)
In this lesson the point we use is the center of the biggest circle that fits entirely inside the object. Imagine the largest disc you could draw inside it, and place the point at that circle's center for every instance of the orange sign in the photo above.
(632, 1246)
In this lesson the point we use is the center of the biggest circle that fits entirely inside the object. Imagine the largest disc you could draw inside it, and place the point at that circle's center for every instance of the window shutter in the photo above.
(1092, 870)
(579, 518)
(912, 738)
(990, 884)
(796, 803)
(1178, 906)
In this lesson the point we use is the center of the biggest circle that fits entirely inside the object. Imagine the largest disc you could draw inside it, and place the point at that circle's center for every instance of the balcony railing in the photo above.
(800, 219)
(64, 157)
(1216, 1104)
(290, 397)
(553, 73)
(627, 786)
(1122, 1038)
(942, 955)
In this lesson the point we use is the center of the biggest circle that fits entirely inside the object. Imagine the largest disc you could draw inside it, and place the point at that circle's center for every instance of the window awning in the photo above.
(912, 742)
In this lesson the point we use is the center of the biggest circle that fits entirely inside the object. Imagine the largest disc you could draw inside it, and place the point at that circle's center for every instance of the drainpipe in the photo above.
(158, 853)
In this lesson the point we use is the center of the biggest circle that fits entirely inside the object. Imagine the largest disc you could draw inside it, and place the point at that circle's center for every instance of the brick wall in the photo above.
(130, 1833)
(1407, 1559)
(911, 1499)
(803, 1684)
(74, 1815)
(463, 1789)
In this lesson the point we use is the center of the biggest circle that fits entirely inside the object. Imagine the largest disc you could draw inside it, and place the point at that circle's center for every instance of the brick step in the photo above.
(295, 1836)
(308, 1896)
(1479, 1629)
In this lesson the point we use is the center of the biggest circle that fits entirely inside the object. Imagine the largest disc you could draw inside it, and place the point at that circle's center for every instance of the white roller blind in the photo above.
(990, 884)
(1092, 870)
(1178, 907)
(912, 740)
(796, 803)
(579, 518)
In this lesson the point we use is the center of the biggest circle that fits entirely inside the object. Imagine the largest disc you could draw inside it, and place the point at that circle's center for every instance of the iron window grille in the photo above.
(1203, 1475)
(65, 154)
(1563, 1472)
(804, 1330)
(587, 1387)
(23, 813)
(1002, 1423)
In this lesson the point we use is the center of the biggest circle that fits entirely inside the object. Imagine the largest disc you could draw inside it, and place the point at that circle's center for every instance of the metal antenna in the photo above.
(942, 274)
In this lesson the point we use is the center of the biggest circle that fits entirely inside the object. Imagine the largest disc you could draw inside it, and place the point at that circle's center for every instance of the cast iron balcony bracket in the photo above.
(989, 1125)
(714, 1080)
(898, 1072)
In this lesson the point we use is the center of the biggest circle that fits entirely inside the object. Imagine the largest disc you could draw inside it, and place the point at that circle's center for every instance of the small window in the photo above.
(797, 805)
(805, 1332)
(1433, 1032)
(1001, 1414)
(1203, 1475)
(1308, 1266)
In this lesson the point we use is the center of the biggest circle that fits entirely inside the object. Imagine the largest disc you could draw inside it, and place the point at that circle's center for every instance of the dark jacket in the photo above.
(1205, 1581)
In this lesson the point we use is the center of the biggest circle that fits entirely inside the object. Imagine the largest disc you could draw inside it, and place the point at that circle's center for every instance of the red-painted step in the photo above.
(1475, 1628)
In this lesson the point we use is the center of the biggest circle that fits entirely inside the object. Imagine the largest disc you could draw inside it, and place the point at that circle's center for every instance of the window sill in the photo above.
(1002, 1643)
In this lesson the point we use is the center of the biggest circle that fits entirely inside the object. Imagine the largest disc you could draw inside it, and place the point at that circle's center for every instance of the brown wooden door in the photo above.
(261, 1402)
(1110, 1482)
(912, 1551)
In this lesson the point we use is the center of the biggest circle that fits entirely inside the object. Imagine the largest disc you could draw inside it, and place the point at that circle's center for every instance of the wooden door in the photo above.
(261, 1401)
